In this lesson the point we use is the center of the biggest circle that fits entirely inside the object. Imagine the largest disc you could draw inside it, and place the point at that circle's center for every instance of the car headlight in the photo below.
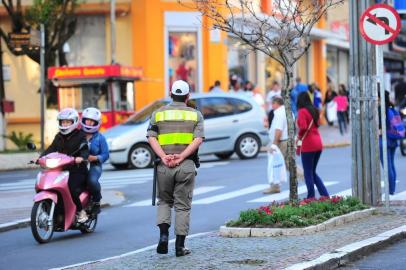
(52, 162)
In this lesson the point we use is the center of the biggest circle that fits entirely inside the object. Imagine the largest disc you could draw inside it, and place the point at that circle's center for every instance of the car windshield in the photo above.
(144, 115)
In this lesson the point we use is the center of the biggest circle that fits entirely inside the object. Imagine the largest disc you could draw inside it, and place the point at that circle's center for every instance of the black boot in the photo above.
(96, 208)
(162, 247)
(180, 246)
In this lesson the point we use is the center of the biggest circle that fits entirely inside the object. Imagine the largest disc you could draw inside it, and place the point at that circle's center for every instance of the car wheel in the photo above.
(224, 155)
(247, 146)
(140, 156)
(120, 166)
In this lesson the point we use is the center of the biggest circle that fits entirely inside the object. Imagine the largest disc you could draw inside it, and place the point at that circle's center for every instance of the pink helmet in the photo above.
(68, 114)
(92, 114)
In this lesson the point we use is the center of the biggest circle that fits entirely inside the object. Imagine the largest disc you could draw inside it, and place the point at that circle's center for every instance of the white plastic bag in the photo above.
(331, 111)
(276, 166)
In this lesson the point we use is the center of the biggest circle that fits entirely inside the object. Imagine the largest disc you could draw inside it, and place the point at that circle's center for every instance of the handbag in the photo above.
(300, 141)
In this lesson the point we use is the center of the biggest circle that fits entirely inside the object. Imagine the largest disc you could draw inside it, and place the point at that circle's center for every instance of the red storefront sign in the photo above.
(95, 72)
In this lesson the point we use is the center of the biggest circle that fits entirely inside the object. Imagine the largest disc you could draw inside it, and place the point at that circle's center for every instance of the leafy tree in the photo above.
(58, 17)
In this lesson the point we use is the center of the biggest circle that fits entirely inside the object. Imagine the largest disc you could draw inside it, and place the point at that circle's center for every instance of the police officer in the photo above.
(175, 134)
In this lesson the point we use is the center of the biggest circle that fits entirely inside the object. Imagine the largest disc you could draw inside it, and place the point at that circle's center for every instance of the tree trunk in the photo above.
(287, 86)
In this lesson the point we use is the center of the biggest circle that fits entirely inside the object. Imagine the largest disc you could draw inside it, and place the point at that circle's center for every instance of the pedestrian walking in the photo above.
(342, 107)
(278, 135)
(275, 91)
(217, 87)
(330, 105)
(309, 144)
(297, 89)
(342, 87)
(394, 130)
(175, 134)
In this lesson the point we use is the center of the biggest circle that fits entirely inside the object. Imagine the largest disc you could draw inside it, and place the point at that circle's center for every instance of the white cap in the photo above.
(180, 88)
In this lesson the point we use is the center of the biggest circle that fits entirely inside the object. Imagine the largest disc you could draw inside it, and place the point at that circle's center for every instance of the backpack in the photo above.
(396, 128)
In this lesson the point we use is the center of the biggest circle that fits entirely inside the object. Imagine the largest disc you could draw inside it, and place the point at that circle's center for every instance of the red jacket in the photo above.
(312, 142)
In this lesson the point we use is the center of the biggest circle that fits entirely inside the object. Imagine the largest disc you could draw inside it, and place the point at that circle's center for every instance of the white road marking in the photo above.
(197, 191)
(230, 195)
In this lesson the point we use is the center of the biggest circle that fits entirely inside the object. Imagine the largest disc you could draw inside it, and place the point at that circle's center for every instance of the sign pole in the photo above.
(381, 89)
(42, 104)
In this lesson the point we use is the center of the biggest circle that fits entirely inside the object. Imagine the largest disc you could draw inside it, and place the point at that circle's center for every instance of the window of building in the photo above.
(88, 95)
(183, 63)
(88, 45)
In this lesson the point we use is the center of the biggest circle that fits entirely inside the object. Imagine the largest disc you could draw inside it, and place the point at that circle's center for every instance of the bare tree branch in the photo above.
(283, 35)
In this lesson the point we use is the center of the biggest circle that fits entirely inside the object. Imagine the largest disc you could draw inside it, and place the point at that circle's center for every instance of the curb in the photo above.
(352, 252)
(23, 223)
(271, 232)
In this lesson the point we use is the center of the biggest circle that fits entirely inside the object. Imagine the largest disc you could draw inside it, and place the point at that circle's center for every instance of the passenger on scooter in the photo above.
(98, 153)
(68, 141)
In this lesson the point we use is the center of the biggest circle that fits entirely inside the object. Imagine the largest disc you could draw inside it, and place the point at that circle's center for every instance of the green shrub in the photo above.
(20, 140)
(300, 214)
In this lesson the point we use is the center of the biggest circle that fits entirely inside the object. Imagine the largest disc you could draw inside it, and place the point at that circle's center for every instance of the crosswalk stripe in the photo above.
(207, 165)
(197, 191)
(344, 193)
(230, 195)
(285, 194)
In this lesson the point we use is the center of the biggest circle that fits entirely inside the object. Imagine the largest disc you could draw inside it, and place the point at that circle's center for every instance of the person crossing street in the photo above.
(175, 134)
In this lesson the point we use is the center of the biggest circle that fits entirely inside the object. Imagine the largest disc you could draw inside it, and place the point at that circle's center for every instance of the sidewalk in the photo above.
(15, 207)
(210, 251)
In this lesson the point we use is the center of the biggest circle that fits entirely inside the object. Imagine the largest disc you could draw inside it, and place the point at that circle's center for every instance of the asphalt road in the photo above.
(223, 188)
(390, 258)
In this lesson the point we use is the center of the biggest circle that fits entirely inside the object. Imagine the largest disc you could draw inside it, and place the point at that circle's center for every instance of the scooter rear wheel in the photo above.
(40, 228)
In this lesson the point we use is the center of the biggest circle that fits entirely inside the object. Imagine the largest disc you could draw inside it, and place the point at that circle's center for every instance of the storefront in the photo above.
(172, 42)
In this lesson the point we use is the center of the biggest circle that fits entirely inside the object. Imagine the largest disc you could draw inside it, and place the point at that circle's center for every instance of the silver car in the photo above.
(232, 123)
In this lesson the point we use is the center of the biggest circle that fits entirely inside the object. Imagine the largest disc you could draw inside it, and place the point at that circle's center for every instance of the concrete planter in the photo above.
(17, 161)
(271, 232)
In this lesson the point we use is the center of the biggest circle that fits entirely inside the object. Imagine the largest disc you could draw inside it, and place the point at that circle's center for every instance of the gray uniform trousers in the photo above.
(175, 189)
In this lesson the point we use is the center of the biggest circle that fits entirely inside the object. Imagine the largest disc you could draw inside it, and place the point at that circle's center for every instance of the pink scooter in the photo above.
(53, 208)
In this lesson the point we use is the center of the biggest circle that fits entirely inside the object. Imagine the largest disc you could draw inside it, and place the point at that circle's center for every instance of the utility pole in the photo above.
(366, 180)
(113, 30)
(42, 79)
(2, 97)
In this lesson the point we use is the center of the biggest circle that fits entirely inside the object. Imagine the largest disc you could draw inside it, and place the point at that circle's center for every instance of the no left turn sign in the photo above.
(380, 24)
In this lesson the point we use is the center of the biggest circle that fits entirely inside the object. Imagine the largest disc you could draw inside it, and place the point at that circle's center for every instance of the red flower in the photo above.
(265, 209)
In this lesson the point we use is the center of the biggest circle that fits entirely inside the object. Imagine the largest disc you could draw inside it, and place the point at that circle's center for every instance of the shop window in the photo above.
(238, 60)
(183, 63)
(88, 44)
(88, 95)
(123, 96)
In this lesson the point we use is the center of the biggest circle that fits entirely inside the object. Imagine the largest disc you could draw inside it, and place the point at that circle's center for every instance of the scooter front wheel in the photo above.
(41, 227)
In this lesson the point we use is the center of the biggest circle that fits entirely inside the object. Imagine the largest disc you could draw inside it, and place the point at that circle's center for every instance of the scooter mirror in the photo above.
(31, 146)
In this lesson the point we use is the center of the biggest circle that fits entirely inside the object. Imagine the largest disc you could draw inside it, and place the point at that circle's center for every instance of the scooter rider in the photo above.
(98, 153)
(68, 141)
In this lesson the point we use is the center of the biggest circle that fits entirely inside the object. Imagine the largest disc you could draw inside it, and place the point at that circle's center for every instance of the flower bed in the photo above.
(304, 213)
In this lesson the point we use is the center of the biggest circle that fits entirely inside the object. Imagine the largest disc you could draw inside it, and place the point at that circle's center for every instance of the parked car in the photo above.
(233, 123)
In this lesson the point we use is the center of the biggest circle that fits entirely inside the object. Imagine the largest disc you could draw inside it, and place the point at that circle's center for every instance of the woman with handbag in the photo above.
(309, 144)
